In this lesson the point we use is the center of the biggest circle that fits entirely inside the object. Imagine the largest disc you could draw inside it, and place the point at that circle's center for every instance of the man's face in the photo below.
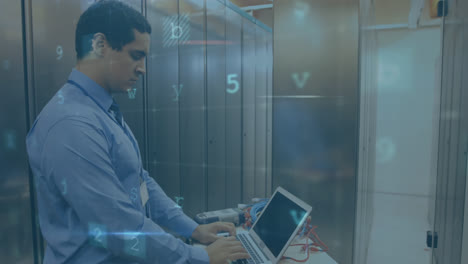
(126, 66)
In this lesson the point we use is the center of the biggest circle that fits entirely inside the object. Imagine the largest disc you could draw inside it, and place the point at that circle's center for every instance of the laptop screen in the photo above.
(278, 222)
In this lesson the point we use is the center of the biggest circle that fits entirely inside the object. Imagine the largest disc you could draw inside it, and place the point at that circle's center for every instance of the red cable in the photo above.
(303, 260)
(307, 247)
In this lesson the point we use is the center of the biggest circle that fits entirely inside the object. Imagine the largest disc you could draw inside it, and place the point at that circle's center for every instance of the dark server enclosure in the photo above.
(201, 114)
(18, 227)
(208, 80)
(347, 104)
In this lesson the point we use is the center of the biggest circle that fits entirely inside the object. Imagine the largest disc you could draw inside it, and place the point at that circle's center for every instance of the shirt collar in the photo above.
(94, 90)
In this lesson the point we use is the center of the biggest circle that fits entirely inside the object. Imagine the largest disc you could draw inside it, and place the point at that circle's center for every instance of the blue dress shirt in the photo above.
(88, 173)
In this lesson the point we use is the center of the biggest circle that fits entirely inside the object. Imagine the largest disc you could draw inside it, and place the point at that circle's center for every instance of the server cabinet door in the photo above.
(192, 104)
(17, 237)
(163, 95)
(216, 103)
(315, 112)
(453, 140)
(248, 109)
(260, 112)
(233, 108)
(269, 102)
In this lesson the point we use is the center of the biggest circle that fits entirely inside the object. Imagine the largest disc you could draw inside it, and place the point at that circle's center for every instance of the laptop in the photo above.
(274, 229)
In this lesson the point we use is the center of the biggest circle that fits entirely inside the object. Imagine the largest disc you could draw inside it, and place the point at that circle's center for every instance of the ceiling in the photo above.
(260, 9)
(248, 3)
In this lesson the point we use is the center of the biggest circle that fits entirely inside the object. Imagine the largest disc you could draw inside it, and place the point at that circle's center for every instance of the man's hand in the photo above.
(225, 250)
(206, 234)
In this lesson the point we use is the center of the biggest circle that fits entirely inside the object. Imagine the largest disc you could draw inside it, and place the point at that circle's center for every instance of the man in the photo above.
(96, 202)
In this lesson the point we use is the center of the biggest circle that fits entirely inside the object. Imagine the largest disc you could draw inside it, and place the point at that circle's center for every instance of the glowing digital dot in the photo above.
(179, 201)
(64, 186)
(10, 140)
(385, 150)
(59, 51)
(132, 93)
(97, 235)
(135, 244)
(177, 91)
(300, 81)
(134, 194)
(6, 65)
(231, 80)
(61, 97)
(176, 30)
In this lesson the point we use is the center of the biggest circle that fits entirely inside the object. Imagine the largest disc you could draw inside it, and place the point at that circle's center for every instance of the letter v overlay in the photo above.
(300, 83)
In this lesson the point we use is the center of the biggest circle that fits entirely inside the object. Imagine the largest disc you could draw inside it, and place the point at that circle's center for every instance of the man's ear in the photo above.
(99, 44)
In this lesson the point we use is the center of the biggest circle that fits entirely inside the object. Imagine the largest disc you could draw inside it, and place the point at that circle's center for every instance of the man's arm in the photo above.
(77, 153)
(169, 214)
(166, 212)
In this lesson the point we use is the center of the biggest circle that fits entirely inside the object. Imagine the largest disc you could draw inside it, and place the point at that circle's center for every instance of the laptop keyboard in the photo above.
(244, 261)
(248, 246)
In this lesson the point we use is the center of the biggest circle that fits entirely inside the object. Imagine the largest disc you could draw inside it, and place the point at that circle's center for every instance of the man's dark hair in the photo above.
(112, 18)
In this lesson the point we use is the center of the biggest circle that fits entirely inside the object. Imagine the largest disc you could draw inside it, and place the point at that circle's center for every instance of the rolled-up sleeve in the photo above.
(99, 199)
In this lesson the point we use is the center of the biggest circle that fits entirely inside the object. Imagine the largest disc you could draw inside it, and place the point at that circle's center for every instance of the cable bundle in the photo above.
(315, 244)
(251, 213)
